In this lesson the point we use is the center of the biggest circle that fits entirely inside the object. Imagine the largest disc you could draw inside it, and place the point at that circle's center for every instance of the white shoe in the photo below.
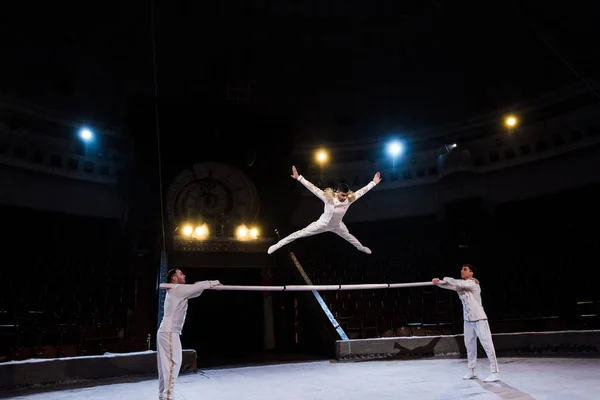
(493, 377)
(272, 249)
(470, 374)
(366, 250)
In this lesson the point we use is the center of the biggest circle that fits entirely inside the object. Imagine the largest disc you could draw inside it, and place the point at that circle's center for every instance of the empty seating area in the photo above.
(535, 260)
(65, 285)
(540, 261)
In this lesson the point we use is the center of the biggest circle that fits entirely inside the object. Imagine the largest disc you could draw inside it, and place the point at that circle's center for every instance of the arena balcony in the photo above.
(496, 157)
(62, 158)
(43, 142)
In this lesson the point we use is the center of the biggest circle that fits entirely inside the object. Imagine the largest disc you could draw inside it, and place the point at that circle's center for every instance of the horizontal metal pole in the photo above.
(307, 288)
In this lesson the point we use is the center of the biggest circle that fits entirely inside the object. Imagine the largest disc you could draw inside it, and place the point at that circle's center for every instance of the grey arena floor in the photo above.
(436, 379)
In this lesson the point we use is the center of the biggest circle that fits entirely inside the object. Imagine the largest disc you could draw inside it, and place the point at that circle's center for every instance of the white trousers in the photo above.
(169, 357)
(315, 228)
(479, 329)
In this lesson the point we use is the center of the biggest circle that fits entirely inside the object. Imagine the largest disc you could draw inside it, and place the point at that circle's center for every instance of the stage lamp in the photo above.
(511, 121)
(188, 230)
(241, 232)
(321, 156)
(394, 148)
(201, 232)
(86, 135)
(254, 233)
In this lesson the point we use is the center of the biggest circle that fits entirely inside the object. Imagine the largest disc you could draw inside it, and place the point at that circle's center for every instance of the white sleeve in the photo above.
(189, 291)
(315, 190)
(446, 286)
(361, 192)
(464, 284)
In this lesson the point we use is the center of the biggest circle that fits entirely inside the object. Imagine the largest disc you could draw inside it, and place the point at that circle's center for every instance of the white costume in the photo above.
(330, 220)
(475, 323)
(168, 344)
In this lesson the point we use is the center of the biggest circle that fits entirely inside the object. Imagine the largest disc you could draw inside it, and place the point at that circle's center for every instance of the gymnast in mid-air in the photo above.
(336, 205)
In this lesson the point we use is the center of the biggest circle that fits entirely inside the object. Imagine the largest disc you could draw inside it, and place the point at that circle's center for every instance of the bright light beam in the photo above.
(394, 148)
(86, 135)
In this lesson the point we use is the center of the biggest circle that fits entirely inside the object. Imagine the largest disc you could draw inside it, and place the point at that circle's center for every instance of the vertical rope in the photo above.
(160, 182)
(163, 266)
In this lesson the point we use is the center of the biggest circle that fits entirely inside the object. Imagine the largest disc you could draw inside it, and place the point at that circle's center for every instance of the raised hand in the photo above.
(294, 172)
(435, 281)
(377, 178)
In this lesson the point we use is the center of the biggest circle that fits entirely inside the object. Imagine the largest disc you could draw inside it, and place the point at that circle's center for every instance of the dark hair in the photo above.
(170, 274)
(343, 188)
(470, 267)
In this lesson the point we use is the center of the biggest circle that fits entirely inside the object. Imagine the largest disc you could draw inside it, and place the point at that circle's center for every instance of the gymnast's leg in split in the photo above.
(342, 231)
(312, 229)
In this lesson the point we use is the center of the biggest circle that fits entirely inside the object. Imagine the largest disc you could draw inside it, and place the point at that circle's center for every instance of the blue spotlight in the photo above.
(394, 148)
(86, 135)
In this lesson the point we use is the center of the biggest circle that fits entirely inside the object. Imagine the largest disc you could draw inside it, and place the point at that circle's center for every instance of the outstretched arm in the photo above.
(190, 291)
(464, 284)
(454, 284)
(316, 191)
(361, 192)
(443, 284)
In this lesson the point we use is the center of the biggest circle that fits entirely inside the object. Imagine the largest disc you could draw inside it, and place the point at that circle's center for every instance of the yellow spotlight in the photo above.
(511, 121)
(254, 233)
(321, 156)
(188, 230)
(241, 232)
(201, 231)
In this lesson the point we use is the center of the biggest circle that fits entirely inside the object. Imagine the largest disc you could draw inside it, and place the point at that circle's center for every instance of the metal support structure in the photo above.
(334, 322)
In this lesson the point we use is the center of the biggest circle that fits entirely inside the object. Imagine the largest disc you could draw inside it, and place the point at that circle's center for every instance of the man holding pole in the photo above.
(169, 353)
(475, 320)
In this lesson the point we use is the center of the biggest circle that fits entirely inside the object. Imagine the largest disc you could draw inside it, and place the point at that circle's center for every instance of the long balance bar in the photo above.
(303, 288)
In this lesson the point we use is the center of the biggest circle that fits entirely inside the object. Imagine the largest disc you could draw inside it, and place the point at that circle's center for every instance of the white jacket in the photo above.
(176, 304)
(469, 293)
(334, 209)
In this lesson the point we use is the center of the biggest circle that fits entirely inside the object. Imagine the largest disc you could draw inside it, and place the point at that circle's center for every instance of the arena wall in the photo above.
(562, 343)
(41, 372)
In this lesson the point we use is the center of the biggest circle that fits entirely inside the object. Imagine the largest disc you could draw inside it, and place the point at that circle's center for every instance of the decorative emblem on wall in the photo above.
(214, 193)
